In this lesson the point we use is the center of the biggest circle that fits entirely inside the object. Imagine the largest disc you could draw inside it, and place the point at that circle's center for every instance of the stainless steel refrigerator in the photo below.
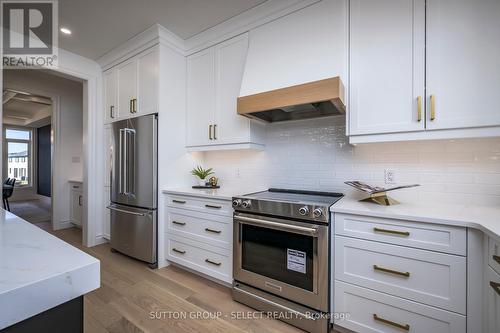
(134, 188)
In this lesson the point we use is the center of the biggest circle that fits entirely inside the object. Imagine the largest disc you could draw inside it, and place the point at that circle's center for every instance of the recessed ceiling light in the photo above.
(66, 31)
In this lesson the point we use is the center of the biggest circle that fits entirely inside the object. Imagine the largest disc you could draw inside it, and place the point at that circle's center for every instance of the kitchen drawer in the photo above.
(213, 229)
(375, 312)
(494, 254)
(493, 297)
(209, 260)
(426, 236)
(427, 277)
(211, 206)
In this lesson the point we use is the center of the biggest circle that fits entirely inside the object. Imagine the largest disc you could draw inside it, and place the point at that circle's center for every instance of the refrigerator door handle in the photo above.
(130, 134)
(125, 211)
(120, 162)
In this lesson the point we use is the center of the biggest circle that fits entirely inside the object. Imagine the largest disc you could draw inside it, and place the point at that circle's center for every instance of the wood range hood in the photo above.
(309, 100)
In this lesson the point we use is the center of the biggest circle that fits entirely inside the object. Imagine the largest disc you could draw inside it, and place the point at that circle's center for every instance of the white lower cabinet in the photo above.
(76, 203)
(199, 235)
(371, 311)
(396, 276)
(493, 301)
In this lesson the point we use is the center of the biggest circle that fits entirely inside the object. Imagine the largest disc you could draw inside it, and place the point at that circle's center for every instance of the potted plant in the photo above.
(202, 174)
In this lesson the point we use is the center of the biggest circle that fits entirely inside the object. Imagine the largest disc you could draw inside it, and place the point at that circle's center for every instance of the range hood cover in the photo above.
(310, 100)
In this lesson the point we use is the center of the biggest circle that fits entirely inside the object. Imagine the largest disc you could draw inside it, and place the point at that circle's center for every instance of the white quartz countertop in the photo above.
(485, 218)
(222, 193)
(38, 271)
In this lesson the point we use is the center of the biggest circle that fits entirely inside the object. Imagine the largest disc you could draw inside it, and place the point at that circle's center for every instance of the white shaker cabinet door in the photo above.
(147, 82)
(230, 63)
(387, 39)
(127, 87)
(463, 63)
(110, 95)
(200, 97)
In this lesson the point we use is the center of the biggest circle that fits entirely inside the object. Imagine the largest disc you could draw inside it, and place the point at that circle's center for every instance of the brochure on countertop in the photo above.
(375, 189)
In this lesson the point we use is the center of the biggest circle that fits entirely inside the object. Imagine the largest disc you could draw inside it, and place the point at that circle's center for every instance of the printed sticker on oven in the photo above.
(296, 261)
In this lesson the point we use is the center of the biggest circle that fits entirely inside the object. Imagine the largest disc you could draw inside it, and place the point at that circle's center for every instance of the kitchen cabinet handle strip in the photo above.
(419, 108)
(213, 262)
(179, 223)
(213, 231)
(179, 201)
(178, 251)
(391, 271)
(405, 327)
(131, 107)
(496, 258)
(135, 105)
(213, 206)
(210, 132)
(433, 107)
(215, 132)
(125, 211)
(79, 200)
(394, 232)
(112, 111)
(495, 286)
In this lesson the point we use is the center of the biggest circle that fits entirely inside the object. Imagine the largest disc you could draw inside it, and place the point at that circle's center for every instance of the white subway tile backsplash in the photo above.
(315, 155)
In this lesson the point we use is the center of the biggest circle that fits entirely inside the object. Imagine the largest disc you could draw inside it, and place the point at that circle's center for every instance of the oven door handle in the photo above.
(278, 226)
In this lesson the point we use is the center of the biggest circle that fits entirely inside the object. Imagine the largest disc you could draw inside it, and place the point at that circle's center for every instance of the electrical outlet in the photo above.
(390, 176)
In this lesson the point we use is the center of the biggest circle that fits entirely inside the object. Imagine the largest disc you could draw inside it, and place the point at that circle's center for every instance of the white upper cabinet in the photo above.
(131, 88)
(389, 40)
(386, 66)
(463, 63)
(213, 84)
(110, 95)
(200, 97)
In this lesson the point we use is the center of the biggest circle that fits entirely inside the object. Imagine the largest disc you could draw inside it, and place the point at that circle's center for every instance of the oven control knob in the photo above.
(246, 204)
(236, 202)
(317, 212)
(303, 210)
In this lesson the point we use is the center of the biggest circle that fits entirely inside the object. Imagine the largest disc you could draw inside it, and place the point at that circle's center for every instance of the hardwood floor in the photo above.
(131, 292)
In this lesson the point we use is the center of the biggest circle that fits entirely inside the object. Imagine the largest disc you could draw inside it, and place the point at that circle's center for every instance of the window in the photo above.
(18, 147)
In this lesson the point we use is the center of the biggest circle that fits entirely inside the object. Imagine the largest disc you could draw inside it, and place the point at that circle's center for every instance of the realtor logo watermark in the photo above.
(30, 34)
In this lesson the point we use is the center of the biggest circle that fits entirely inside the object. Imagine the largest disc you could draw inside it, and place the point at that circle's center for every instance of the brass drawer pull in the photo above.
(179, 223)
(495, 286)
(212, 206)
(497, 259)
(179, 201)
(391, 271)
(389, 322)
(213, 262)
(215, 132)
(394, 232)
(213, 231)
(178, 251)
(210, 132)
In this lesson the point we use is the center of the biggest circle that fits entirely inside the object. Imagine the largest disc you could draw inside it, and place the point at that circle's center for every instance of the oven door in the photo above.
(283, 257)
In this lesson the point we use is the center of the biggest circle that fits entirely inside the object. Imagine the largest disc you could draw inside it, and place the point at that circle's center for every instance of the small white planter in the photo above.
(202, 182)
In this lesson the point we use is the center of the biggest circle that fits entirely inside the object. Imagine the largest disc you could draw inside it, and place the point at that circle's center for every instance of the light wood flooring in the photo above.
(130, 291)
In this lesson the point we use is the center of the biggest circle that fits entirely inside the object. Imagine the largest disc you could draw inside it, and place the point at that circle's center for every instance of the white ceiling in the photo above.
(22, 113)
(98, 26)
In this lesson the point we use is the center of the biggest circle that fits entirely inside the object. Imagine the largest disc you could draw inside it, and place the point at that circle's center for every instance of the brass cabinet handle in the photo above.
(212, 206)
(135, 105)
(179, 223)
(213, 231)
(391, 271)
(215, 131)
(419, 108)
(179, 201)
(496, 258)
(213, 262)
(112, 111)
(495, 286)
(79, 200)
(178, 251)
(394, 232)
(210, 132)
(405, 327)
(433, 107)
(131, 106)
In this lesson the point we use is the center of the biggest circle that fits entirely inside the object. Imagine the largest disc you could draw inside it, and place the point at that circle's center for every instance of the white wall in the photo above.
(315, 155)
(70, 95)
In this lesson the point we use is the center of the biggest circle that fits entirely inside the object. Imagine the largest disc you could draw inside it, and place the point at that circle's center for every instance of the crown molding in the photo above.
(241, 23)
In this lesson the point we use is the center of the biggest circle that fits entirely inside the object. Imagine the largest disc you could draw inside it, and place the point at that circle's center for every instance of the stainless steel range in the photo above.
(281, 255)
